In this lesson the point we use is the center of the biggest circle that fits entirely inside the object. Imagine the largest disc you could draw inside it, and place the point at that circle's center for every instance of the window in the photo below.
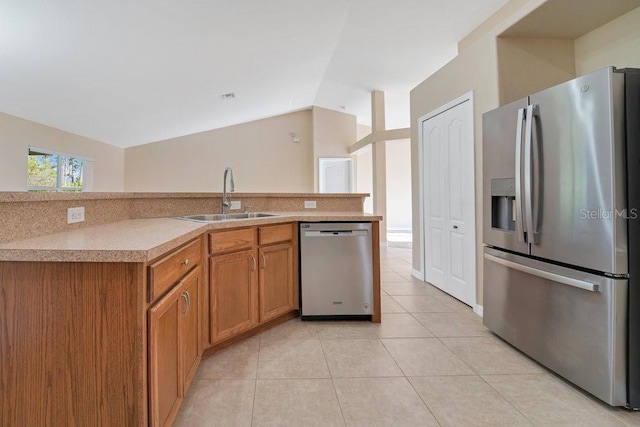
(51, 171)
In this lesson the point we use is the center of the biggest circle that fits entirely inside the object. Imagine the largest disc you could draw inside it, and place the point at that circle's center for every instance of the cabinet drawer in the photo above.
(276, 234)
(165, 273)
(232, 240)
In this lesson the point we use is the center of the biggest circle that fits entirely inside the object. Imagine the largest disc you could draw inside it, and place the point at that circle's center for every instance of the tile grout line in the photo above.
(404, 374)
(425, 403)
(335, 392)
(255, 384)
(392, 358)
(458, 357)
(333, 384)
(505, 397)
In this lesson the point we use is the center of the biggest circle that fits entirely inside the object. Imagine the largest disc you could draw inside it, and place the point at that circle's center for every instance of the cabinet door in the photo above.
(190, 325)
(165, 378)
(276, 281)
(233, 294)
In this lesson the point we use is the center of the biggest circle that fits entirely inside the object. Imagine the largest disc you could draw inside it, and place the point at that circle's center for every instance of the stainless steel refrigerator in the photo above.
(561, 172)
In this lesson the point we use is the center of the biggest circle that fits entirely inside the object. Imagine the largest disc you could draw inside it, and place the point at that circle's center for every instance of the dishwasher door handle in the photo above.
(337, 233)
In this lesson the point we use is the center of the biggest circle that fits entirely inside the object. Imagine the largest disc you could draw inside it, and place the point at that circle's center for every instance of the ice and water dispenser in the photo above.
(503, 204)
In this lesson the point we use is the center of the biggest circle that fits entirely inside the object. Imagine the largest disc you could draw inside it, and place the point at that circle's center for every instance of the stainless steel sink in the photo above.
(225, 217)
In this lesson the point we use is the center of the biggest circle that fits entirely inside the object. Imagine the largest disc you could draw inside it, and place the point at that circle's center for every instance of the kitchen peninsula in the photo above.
(105, 323)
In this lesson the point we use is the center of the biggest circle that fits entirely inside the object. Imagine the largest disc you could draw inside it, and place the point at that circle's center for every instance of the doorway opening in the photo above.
(447, 194)
(335, 175)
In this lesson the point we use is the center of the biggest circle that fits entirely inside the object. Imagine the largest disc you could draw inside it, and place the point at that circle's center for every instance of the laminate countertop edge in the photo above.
(142, 240)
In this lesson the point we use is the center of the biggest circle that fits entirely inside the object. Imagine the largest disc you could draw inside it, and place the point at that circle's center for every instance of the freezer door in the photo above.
(501, 224)
(570, 321)
(579, 173)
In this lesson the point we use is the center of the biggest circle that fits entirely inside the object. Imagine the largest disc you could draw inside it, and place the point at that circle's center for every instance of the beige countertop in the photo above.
(141, 240)
(24, 196)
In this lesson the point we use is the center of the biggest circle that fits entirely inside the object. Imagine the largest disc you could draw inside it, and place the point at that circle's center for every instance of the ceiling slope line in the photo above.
(335, 46)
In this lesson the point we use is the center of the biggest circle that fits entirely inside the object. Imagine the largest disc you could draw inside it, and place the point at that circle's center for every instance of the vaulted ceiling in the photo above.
(131, 72)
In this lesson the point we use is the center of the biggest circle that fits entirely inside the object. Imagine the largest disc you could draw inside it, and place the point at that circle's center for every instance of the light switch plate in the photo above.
(75, 215)
(309, 204)
(235, 204)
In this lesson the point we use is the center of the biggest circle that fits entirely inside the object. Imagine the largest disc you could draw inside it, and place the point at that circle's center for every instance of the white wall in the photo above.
(615, 43)
(261, 153)
(528, 65)
(362, 131)
(477, 69)
(364, 168)
(333, 134)
(364, 176)
(399, 185)
(17, 134)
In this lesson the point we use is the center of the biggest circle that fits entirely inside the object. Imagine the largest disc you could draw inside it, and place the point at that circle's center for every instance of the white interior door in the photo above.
(335, 175)
(435, 206)
(449, 200)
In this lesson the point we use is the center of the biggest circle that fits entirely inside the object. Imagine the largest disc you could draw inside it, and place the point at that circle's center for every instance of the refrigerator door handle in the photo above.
(570, 281)
(528, 174)
(535, 176)
(520, 226)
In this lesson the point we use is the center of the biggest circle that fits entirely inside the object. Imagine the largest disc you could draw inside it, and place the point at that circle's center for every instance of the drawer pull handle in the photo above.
(185, 262)
(570, 281)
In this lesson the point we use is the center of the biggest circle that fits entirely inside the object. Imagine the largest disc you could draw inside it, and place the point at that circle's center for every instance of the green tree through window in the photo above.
(53, 172)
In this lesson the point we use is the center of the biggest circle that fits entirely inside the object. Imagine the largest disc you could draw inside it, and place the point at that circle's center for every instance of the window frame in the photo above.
(59, 188)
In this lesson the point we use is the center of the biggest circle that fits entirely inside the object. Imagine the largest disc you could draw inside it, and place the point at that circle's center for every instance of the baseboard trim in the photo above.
(417, 274)
(479, 310)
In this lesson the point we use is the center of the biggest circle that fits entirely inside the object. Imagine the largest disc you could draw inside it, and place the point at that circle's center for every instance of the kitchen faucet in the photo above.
(225, 196)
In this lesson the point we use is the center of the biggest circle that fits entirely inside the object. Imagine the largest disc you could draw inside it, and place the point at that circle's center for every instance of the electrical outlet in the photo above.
(309, 204)
(75, 215)
(235, 204)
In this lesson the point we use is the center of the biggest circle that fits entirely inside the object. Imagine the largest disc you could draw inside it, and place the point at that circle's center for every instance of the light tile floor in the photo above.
(430, 362)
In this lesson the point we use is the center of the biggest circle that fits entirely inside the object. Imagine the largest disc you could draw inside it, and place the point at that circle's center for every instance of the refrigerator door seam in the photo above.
(617, 276)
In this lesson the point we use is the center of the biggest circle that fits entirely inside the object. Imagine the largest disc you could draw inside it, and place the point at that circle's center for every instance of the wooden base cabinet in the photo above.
(276, 281)
(165, 381)
(252, 278)
(232, 294)
(118, 343)
(174, 320)
(174, 347)
(72, 344)
(191, 343)
(99, 343)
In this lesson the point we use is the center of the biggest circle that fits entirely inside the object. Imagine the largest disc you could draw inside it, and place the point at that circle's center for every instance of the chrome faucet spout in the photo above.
(225, 197)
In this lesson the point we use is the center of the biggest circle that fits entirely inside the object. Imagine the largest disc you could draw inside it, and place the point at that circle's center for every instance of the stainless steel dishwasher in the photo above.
(336, 271)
